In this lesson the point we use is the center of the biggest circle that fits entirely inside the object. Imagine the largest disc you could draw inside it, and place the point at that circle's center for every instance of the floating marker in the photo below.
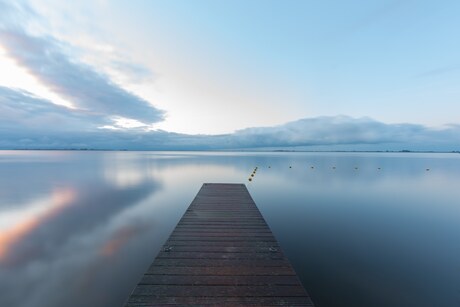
(378, 168)
(250, 179)
(427, 169)
(333, 167)
(312, 167)
(290, 166)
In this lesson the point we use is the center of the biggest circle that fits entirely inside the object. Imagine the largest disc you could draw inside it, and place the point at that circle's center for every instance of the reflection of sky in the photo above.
(80, 228)
(361, 234)
(16, 225)
(61, 240)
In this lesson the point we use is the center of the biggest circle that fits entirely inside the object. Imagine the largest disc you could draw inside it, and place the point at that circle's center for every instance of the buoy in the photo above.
(378, 168)
(250, 179)
(312, 167)
(333, 167)
(269, 166)
(252, 175)
(290, 166)
(427, 169)
(356, 167)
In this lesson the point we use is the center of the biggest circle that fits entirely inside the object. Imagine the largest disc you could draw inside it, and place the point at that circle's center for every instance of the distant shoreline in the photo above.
(234, 150)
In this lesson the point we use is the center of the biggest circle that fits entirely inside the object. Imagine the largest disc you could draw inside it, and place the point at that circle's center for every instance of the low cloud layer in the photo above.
(344, 130)
(29, 122)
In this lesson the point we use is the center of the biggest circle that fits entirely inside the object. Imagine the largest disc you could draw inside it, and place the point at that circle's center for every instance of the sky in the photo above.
(229, 74)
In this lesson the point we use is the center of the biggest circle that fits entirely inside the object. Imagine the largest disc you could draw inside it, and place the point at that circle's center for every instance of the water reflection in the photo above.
(63, 238)
(18, 224)
(80, 228)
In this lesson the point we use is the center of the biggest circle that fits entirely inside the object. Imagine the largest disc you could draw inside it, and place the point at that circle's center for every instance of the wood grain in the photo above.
(221, 253)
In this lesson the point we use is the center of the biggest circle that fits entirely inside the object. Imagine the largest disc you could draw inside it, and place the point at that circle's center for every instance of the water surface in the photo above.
(361, 229)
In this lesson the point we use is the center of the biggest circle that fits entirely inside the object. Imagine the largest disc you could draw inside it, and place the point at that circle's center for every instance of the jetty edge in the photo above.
(221, 253)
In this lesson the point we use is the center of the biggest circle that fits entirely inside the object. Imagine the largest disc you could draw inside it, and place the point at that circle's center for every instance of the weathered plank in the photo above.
(221, 253)
(239, 270)
(229, 301)
(217, 280)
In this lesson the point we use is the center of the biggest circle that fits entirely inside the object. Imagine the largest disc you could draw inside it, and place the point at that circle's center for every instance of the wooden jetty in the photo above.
(221, 253)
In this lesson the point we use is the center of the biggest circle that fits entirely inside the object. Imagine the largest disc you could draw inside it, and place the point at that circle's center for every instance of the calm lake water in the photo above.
(80, 228)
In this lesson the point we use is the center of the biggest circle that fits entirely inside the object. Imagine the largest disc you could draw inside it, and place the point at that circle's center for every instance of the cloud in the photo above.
(23, 112)
(49, 61)
(440, 71)
(29, 122)
(131, 71)
(379, 13)
(327, 130)
(344, 130)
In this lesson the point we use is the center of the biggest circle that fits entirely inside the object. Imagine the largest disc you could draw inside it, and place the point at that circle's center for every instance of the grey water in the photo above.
(360, 229)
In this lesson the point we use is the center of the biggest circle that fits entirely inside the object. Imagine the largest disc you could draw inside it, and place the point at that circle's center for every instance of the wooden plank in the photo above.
(146, 301)
(221, 253)
(220, 262)
(196, 290)
(226, 243)
(216, 280)
(221, 270)
(232, 234)
(222, 249)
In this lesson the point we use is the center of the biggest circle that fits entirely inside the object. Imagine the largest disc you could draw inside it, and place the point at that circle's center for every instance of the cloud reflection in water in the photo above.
(357, 225)
(65, 247)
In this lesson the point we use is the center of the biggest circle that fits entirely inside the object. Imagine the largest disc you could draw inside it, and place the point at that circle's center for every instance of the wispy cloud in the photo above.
(378, 14)
(440, 71)
(86, 88)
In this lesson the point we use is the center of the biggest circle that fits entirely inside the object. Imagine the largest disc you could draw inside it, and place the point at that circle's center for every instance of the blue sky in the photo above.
(163, 69)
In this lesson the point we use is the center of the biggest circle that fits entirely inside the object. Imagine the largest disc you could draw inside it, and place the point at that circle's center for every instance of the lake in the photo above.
(80, 228)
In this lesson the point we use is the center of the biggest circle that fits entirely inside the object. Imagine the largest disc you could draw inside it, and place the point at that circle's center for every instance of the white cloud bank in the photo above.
(29, 122)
